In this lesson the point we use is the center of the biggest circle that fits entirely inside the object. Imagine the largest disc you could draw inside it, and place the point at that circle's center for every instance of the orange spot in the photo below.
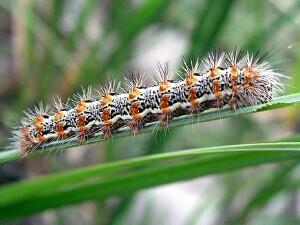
(81, 106)
(234, 79)
(166, 110)
(133, 93)
(105, 100)
(164, 104)
(190, 79)
(81, 123)
(214, 72)
(134, 110)
(41, 138)
(58, 115)
(164, 86)
(137, 117)
(234, 70)
(248, 73)
(251, 73)
(59, 128)
(105, 116)
(248, 76)
(216, 89)
(217, 92)
(38, 122)
(83, 128)
(192, 98)
(249, 69)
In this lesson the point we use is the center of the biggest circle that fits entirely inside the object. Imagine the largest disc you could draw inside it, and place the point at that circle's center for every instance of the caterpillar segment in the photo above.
(136, 110)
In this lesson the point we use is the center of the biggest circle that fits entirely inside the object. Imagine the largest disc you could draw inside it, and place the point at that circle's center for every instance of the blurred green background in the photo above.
(50, 48)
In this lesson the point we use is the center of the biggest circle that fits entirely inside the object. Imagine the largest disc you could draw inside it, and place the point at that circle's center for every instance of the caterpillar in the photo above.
(234, 79)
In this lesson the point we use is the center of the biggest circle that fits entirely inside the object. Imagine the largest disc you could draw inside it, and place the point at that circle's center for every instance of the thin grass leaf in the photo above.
(124, 177)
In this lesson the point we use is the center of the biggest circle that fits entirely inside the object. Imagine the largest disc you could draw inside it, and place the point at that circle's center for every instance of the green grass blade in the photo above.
(124, 177)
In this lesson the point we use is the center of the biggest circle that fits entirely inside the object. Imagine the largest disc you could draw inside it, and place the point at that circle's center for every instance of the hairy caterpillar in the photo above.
(235, 79)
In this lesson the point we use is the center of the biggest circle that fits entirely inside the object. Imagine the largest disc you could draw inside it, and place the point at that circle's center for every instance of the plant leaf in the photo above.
(124, 177)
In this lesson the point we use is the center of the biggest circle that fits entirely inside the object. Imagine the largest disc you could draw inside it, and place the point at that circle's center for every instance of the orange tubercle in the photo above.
(134, 110)
(81, 123)
(58, 115)
(214, 72)
(37, 122)
(133, 93)
(105, 100)
(166, 110)
(216, 88)
(247, 76)
(105, 116)
(164, 103)
(251, 73)
(164, 86)
(137, 117)
(81, 106)
(234, 79)
(41, 138)
(217, 91)
(234, 70)
(59, 129)
(192, 95)
(190, 79)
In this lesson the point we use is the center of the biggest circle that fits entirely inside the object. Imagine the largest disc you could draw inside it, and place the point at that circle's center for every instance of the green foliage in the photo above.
(123, 177)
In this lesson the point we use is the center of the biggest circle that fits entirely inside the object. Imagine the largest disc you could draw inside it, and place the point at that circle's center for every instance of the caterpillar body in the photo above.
(235, 79)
